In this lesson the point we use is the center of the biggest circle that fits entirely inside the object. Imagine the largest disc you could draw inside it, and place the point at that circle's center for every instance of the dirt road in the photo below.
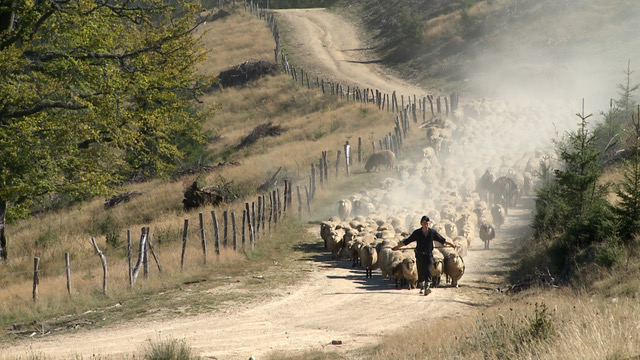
(337, 303)
(331, 48)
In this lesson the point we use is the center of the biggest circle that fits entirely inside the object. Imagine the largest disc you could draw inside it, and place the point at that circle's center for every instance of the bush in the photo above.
(169, 349)
(47, 239)
(609, 254)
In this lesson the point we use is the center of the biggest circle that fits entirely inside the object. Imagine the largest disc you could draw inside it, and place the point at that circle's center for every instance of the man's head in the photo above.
(424, 220)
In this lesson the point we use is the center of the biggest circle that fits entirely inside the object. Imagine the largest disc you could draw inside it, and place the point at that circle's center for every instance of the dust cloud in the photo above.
(526, 87)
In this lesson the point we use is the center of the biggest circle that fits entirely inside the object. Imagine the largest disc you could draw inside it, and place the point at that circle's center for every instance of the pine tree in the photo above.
(628, 208)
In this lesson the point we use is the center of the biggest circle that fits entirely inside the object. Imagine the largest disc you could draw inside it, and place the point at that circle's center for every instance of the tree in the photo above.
(628, 209)
(571, 207)
(611, 136)
(91, 90)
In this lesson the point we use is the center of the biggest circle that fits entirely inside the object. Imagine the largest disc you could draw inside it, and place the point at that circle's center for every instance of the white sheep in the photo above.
(336, 242)
(325, 230)
(436, 269)
(461, 245)
(410, 271)
(453, 265)
(487, 233)
(384, 256)
(497, 213)
(394, 265)
(344, 208)
(368, 259)
(450, 229)
(348, 240)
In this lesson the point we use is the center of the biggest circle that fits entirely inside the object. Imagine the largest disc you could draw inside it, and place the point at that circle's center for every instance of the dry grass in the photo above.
(443, 26)
(539, 324)
(235, 39)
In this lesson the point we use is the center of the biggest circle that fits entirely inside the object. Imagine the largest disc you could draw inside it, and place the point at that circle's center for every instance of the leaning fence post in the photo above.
(153, 251)
(145, 259)
(136, 269)
(202, 238)
(184, 242)
(103, 259)
(129, 257)
(216, 234)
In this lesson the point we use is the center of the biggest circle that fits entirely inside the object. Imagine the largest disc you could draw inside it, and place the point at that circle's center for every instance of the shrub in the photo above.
(169, 349)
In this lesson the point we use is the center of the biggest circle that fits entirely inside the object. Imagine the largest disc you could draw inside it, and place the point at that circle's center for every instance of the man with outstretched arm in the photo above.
(424, 238)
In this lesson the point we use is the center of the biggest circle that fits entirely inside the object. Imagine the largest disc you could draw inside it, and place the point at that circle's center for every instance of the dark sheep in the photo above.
(380, 158)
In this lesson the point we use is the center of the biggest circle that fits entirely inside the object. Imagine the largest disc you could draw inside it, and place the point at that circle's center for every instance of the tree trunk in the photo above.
(4, 205)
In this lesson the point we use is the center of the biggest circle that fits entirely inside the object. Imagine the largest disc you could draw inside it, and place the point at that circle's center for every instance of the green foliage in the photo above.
(110, 228)
(609, 254)
(411, 26)
(91, 90)
(47, 239)
(571, 208)
(169, 349)
(540, 324)
(628, 208)
(616, 133)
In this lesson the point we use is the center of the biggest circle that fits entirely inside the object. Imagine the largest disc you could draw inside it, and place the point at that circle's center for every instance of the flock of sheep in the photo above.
(468, 175)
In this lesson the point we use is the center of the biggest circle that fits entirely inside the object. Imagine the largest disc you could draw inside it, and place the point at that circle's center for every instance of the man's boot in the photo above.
(427, 288)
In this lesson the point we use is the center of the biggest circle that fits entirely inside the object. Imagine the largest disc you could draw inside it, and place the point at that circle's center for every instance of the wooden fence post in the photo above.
(36, 278)
(253, 219)
(299, 201)
(280, 208)
(184, 242)
(347, 156)
(145, 258)
(244, 224)
(338, 162)
(308, 199)
(263, 212)
(202, 237)
(136, 269)
(250, 224)
(153, 251)
(129, 258)
(233, 227)
(312, 180)
(103, 259)
(67, 267)
(274, 207)
(225, 228)
(285, 195)
(430, 98)
(216, 233)
(259, 215)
